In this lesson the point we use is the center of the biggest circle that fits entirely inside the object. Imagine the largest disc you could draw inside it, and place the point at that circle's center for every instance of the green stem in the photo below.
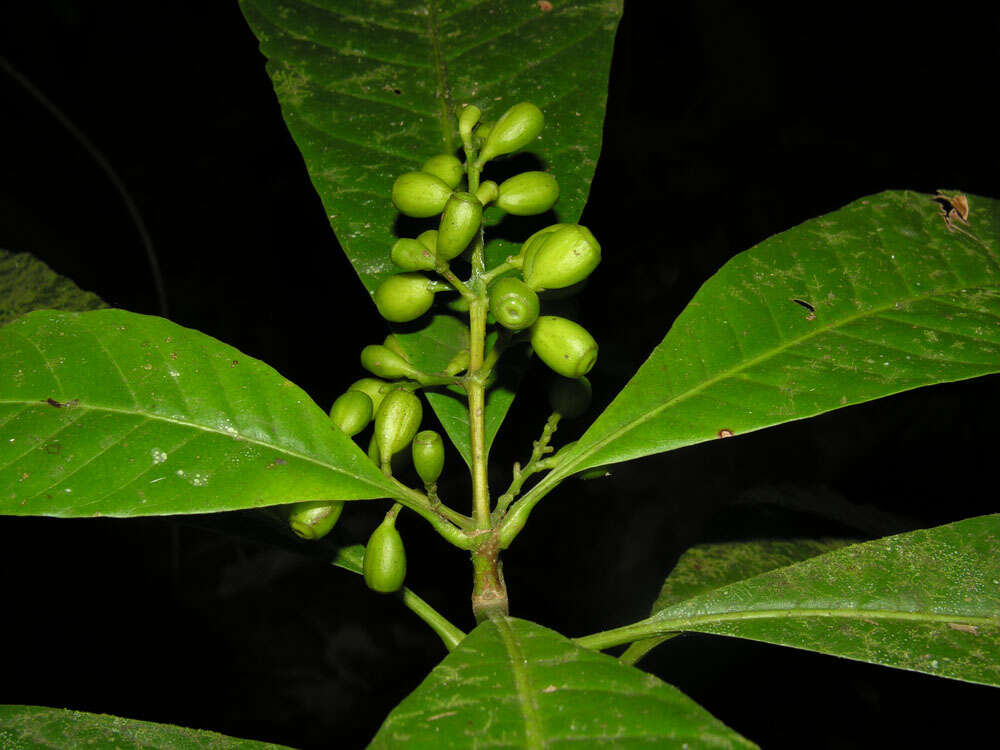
(476, 391)
(501, 269)
(654, 626)
(517, 516)
(447, 522)
(535, 464)
(448, 633)
(460, 286)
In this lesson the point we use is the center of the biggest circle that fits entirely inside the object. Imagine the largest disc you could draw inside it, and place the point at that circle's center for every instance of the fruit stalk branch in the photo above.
(536, 463)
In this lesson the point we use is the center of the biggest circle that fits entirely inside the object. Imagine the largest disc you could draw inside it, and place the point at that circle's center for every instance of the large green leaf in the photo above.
(27, 284)
(112, 413)
(369, 90)
(927, 601)
(515, 684)
(24, 727)
(899, 302)
(711, 566)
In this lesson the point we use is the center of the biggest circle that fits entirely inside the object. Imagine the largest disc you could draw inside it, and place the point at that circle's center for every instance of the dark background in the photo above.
(724, 126)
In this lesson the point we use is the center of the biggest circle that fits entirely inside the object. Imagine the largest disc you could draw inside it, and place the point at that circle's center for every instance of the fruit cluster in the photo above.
(557, 257)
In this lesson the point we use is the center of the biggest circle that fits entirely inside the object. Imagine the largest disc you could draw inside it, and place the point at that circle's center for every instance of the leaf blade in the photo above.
(745, 355)
(27, 284)
(517, 684)
(114, 413)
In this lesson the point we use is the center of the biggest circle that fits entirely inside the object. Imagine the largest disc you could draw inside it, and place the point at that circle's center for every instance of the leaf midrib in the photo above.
(221, 433)
(533, 734)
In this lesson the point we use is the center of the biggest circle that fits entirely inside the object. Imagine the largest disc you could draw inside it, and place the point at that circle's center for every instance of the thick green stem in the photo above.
(476, 391)
(489, 592)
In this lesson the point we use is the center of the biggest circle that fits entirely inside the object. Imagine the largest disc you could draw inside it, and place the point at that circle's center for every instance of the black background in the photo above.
(724, 126)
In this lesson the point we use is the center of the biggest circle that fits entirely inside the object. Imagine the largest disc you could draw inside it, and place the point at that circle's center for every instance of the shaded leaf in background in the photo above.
(512, 683)
(876, 298)
(927, 601)
(711, 566)
(58, 728)
(369, 91)
(113, 413)
(27, 284)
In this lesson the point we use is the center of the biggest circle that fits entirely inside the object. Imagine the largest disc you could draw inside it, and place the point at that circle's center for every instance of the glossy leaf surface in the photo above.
(57, 728)
(876, 298)
(370, 90)
(113, 413)
(511, 683)
(27, 284)
(711, 566)
(926, 601)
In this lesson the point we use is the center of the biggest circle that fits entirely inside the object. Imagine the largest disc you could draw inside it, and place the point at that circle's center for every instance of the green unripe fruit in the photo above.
(403, 297)
(487, 192)
(396, 422)
(314, 519)
(530, 246)
(468, 119)
(384, 563)
(428, 455)
(446, 168)
(563, 345)
(513, 303)
(570, 398)
(429, 239)
(419, 194)
(528, 193)
(462, 217)
(382, 361)
(519, 126)
(563, 258)
(351, 412)
(374, 389)
(412, 255)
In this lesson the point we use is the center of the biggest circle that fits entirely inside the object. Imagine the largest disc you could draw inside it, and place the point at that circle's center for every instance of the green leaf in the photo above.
(926, 601)
(39, 727)
(27, 284)
(511, 683)
(370, 90)
(711, 566)
(112, 413)
(899, 302)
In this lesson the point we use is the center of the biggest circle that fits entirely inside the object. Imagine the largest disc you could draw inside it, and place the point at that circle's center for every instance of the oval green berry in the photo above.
(396, 422)
(314, 519)
(462, 217)
(563, 345)
(562, 258)
(351, 412)
(384, 362)
(384, 564)
(519, 126)
(513, 303)
(419, 194)
(373, 388)
(428, 455)
(403, 297)
(528, 193)
(570, 398)
(487, 192)
(412, 255)
(446, 168)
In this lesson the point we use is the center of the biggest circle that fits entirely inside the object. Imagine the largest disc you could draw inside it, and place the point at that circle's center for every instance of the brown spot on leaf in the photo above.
(61, 404)
(962, 627)
(544, 5)
(277, 462)
(724, 433)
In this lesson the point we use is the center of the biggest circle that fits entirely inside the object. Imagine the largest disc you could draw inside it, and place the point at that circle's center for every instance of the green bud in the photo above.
(563, 345)
(412, 255)
(528, 193)
(428, 455)
(462, 217)
(562, 258)
(382, 361)
(384, 563)
(487, 192)
(519, 126)
(513, 303)
(459, 363)
(419, 194)
(570, 398)
(374, 389)
(396, 422)
(429, 239)
(446, 168)
(314, 519)
(351, 412)
(468, 119)
(403, 297)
